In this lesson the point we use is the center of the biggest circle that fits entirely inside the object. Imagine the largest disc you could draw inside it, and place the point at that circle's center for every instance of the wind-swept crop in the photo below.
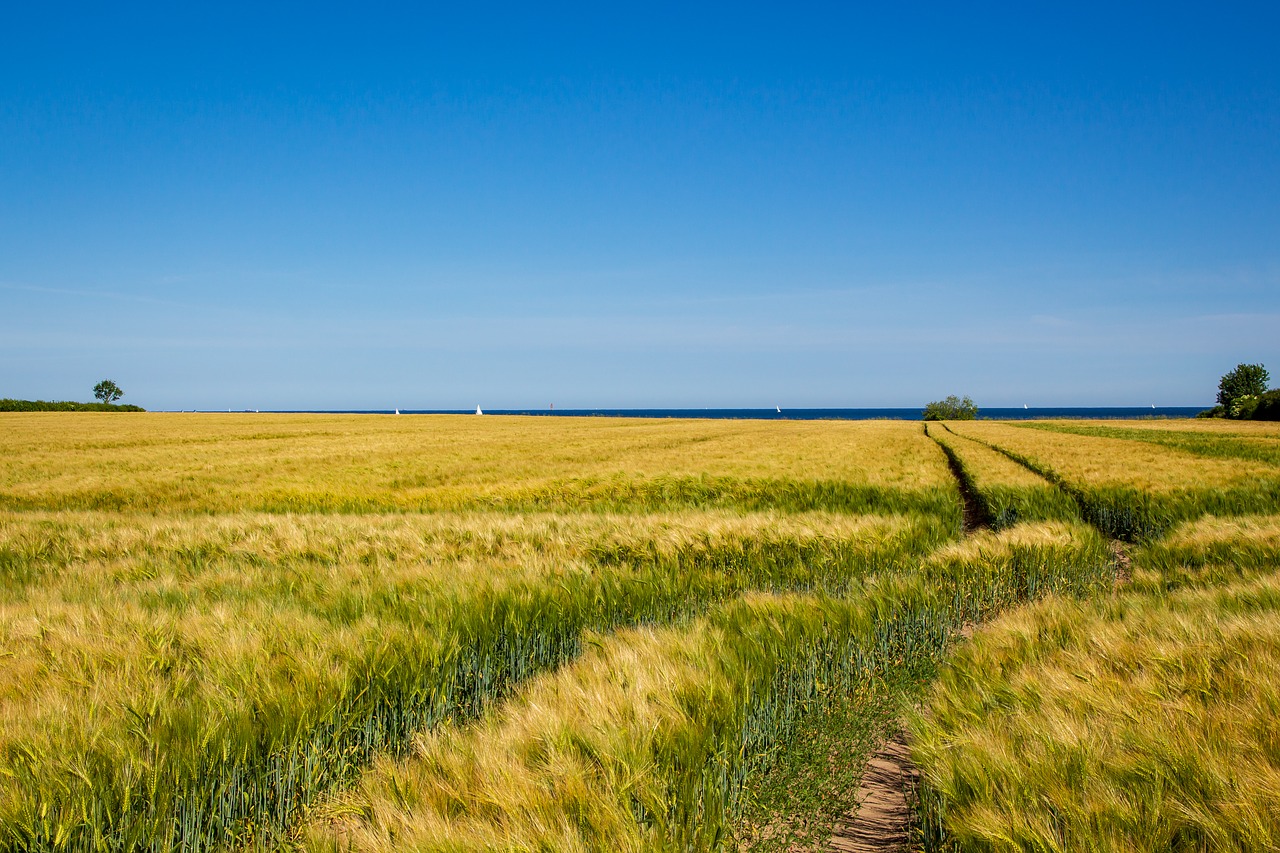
(1008, 492)
(317, 463)
(645, 742)
(1135, 490)
(213, 626)
(1142, 722)
(181, 682)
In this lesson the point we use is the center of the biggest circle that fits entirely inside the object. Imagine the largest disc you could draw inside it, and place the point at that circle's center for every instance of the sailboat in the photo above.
(1024, 405)
(779, 408)
(397, 411)
(478, 412)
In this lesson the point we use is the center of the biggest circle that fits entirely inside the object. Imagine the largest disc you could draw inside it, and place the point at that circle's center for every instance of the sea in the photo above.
(912, 414)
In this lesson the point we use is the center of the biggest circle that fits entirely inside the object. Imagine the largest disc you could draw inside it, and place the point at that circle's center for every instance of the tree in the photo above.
(1239, 390)
(951, 409)
(107, 391)
(1268, 407)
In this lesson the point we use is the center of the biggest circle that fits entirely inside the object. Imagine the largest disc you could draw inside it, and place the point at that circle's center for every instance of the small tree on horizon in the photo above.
(1240, 388)
(107, 391)
(952, 408)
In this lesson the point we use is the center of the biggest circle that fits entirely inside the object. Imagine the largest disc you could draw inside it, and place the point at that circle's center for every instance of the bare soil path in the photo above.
(1124, 568)
(883, 819)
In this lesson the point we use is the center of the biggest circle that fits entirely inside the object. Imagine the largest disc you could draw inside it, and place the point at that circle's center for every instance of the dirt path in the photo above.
(882, 820)
(1124, 568)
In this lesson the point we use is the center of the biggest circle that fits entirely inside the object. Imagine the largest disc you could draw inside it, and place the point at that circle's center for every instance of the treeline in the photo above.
(1243, 395)
(1268, 408)
(1262, 407)
(7, 405)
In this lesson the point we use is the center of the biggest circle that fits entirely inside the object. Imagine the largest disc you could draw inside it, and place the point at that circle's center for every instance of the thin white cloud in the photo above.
(95, 294)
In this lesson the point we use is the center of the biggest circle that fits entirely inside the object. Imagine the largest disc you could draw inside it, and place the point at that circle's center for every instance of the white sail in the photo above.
(478, 412)
(397, 411)
(779, 408)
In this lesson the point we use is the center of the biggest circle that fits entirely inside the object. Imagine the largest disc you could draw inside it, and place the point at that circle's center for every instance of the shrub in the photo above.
(1268, 406)
(951, 409)
(9, 405)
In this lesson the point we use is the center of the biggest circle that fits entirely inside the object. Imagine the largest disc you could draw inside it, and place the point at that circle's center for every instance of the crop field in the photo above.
(1149, 721)
(319, 463)
(1253, 446)
(1202, 426)
(460, 633)
(1007, 491)
(644, 744)
(1135, 489)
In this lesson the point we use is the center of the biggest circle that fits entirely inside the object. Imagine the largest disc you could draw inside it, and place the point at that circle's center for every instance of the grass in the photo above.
(795, 803)
(1099, 461)
(1208, 426)
(1140, 722)
(1209, 552)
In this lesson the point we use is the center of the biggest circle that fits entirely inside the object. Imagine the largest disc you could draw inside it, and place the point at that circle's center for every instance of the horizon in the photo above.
(669, 411)
(312, 208)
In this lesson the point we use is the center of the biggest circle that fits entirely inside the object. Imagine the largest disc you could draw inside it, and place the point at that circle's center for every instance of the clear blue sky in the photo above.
(637, 205)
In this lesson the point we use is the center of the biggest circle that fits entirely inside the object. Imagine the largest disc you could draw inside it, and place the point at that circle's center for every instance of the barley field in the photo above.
(1138, 489)
(1007, 491)
(1141, 722)
(336, 463)
(456, 633)
(1253, 445)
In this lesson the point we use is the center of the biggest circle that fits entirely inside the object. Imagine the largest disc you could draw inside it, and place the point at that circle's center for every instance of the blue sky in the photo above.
(637, 205)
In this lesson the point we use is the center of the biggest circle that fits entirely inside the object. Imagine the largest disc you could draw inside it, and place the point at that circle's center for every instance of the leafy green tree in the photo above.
(951, 409)
(1268, 407)
(1239, 390)
(107, 391)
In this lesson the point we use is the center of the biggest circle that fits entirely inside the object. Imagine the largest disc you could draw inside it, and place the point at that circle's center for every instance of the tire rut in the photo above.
(883, 821)
(974, 511)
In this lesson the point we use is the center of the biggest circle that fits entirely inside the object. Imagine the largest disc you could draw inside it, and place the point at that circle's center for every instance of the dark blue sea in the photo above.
(913, 414)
